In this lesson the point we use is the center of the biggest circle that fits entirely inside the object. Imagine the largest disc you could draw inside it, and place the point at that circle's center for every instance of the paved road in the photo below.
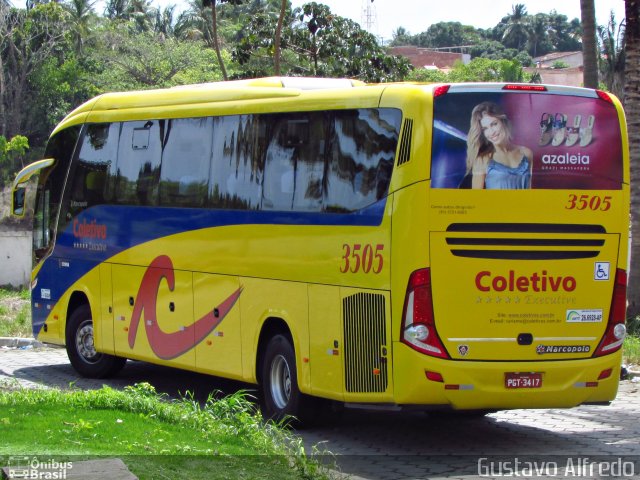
(584, 442)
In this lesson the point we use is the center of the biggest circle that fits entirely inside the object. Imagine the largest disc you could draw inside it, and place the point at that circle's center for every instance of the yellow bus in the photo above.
(402, 245)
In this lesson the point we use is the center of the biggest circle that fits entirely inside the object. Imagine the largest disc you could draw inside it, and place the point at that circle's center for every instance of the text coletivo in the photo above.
(536, 282)
(89, 230)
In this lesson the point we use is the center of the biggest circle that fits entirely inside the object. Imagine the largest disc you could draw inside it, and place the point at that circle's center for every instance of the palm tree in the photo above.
(538, 33)
(164, 24)
(611, 39)
(518, 26)
(276, 49)
(116, 9)
(195, 23)
(589, 53)
(142, 13)
(81, 13)
(632, 107)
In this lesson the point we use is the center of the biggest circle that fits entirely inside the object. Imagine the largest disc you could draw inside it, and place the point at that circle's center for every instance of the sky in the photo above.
(416, 15)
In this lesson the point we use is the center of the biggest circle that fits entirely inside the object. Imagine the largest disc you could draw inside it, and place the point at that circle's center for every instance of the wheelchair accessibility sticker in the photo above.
(601, 271)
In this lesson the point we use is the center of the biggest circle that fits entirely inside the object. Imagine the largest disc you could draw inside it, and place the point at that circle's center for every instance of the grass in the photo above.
(15, 313)
(155, 437)
(631, 350)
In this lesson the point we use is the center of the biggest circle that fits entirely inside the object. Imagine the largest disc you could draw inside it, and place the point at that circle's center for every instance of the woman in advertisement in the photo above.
(493, 161)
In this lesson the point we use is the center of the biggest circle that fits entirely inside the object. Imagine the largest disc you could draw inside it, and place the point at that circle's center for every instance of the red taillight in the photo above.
(616, 330)
(441, 90)
(418, 326)
(525, 87)
(604, 96)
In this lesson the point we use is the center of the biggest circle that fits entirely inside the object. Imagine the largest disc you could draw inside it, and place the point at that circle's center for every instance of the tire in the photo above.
(81, 351)
(281, 399)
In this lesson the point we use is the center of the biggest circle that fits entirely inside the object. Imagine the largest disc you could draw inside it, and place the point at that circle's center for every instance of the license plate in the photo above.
(522, 380)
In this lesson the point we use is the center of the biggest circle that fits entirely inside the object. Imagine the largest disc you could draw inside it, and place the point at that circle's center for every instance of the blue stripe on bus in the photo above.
(128, 226)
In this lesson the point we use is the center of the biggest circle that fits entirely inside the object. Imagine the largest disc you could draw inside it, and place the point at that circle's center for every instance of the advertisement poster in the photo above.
(525, 140)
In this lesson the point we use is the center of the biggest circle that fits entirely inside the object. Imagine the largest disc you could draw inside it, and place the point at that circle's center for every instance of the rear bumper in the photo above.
(481, 385)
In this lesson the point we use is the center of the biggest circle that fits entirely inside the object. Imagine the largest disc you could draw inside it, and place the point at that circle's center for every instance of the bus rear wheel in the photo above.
(81, 350)
(280, 397)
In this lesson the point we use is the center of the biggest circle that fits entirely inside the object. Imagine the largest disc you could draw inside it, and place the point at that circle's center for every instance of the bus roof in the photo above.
(200, 97)
(207, 93)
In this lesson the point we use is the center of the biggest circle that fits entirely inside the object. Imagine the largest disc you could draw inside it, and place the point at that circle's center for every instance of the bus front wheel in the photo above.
(81, 350)
(281, 398)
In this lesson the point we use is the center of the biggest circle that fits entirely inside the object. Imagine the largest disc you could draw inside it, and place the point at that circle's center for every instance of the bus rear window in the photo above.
(525, 140)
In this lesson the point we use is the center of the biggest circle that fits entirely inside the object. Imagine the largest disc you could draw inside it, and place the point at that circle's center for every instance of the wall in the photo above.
(15, 258)
(15, 246)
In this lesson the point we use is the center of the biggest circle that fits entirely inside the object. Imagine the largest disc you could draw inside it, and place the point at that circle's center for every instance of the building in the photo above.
(571, 59)
(427, 58)
(571, 76)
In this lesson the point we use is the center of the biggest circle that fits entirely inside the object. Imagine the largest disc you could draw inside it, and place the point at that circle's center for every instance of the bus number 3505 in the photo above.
(367, 258)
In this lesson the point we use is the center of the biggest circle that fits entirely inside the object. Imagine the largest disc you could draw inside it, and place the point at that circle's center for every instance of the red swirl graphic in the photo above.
(171, 345)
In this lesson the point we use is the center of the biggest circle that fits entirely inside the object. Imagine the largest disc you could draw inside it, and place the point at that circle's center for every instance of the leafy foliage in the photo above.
(12, 154)
(478, 70)
(317, 43)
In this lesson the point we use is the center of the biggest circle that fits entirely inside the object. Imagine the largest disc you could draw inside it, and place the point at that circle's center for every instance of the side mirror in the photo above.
(17, 205)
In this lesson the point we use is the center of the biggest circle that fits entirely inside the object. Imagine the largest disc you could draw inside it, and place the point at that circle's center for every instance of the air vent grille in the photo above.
(517, 244)
(404, 154)
(365, 343)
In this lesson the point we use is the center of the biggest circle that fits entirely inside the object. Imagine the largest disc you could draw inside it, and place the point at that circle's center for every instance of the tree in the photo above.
(632, 107)
(538, 41)
(478, 70)
(28, 38)
(164, 23)
(589, 52)
(564, 35)
(214, 29)
(518, 27)
(278, 37)
(117, 9)
(400, 37)
(144, 60)
(11, 157)
(612, 60)
(82, 15)
(318, 43)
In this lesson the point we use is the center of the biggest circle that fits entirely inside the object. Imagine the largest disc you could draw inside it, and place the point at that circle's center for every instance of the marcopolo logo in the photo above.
(543, 349)
(486, 281)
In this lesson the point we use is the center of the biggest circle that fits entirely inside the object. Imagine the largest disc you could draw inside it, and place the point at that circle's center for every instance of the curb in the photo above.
(16, 342)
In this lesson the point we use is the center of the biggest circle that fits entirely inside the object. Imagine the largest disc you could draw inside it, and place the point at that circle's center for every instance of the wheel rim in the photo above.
(84, 342)
(280, 381)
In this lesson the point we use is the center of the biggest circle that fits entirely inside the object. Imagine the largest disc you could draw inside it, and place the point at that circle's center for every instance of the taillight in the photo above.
(616, 330)
(441, 90)
(418, 327)
(524, 87)
(604, 96)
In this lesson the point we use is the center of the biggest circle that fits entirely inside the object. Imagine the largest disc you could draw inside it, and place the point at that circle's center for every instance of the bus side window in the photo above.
(361, 151)
(90, 170)
(237, 162)
(280, 163)
(138, 167)
(186, 160)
